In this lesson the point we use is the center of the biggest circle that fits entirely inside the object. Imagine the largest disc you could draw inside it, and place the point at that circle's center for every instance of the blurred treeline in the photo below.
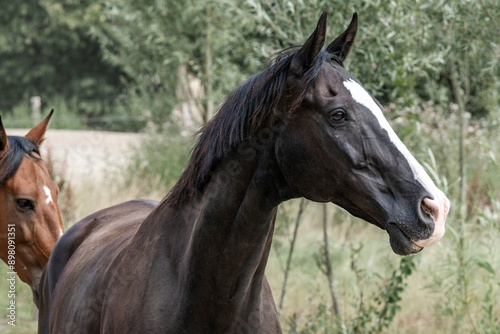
(123, 64)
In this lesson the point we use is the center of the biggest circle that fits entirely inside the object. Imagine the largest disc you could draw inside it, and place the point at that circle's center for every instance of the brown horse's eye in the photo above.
(337, 116)
(25, 204)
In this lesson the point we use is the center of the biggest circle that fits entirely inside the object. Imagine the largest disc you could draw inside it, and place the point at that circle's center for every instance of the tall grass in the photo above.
(467, 274)
(158, 160)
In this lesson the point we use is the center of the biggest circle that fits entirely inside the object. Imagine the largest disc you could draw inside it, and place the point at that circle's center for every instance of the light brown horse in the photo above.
(30, 222)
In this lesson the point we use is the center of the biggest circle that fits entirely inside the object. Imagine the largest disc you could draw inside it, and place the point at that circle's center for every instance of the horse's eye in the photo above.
(337, 116)
(25, 204)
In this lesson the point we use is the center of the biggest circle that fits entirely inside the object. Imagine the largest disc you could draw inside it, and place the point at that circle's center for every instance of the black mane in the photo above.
(243, 112)
(18, 148)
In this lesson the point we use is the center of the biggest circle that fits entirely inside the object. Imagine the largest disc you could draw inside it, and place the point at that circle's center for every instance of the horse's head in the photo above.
(337, 147)
(30, 222)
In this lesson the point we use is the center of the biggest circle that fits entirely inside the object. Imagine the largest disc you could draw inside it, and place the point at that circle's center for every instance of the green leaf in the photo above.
(487, 266)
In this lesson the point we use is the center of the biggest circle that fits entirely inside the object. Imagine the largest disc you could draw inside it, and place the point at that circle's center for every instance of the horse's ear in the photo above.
(341, 46)
(36, 134)
(4, 140)
(306, 56)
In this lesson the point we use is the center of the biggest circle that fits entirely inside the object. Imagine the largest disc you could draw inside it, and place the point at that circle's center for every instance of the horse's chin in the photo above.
(401, 244)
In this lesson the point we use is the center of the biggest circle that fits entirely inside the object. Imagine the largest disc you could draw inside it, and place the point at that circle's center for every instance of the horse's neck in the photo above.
(220, 242)
(231, 234)
(232, 231)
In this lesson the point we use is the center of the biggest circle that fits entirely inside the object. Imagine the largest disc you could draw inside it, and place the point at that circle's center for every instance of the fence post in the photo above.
(36, 109)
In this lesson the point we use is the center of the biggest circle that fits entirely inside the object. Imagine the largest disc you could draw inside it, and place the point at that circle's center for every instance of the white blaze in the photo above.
(48, 194)
(361, 96)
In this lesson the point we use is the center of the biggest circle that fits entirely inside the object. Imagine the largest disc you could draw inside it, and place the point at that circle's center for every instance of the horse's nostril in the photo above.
(437, 211)
(431, 208)
(428, 208)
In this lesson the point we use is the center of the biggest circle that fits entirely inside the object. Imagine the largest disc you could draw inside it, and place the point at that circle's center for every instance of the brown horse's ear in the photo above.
(4, 140)
(341, 46)
(36, 134)
(307, 54)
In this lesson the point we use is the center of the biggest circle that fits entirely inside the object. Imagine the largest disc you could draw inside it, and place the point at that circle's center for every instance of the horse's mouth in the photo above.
(401, 244)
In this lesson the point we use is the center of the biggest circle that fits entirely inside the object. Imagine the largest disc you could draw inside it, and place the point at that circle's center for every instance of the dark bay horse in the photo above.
(30, 222)
(304, 127)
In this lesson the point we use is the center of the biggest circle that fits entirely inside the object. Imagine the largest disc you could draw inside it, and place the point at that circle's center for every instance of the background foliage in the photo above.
(50, 56)
(127, 65)
(122, 57)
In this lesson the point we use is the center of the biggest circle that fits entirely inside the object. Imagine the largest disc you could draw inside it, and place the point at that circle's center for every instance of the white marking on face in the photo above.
(360, 95)
(49, 196)
(440, 205)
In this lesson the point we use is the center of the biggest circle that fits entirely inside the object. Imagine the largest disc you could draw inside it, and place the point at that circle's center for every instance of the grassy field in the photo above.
(453, 288)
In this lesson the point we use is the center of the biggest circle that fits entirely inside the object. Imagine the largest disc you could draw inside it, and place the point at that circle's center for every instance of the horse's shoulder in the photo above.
(75, 235)
(82, 230)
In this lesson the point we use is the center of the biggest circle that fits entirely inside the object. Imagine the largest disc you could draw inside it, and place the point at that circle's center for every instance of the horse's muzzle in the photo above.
(437, 209)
